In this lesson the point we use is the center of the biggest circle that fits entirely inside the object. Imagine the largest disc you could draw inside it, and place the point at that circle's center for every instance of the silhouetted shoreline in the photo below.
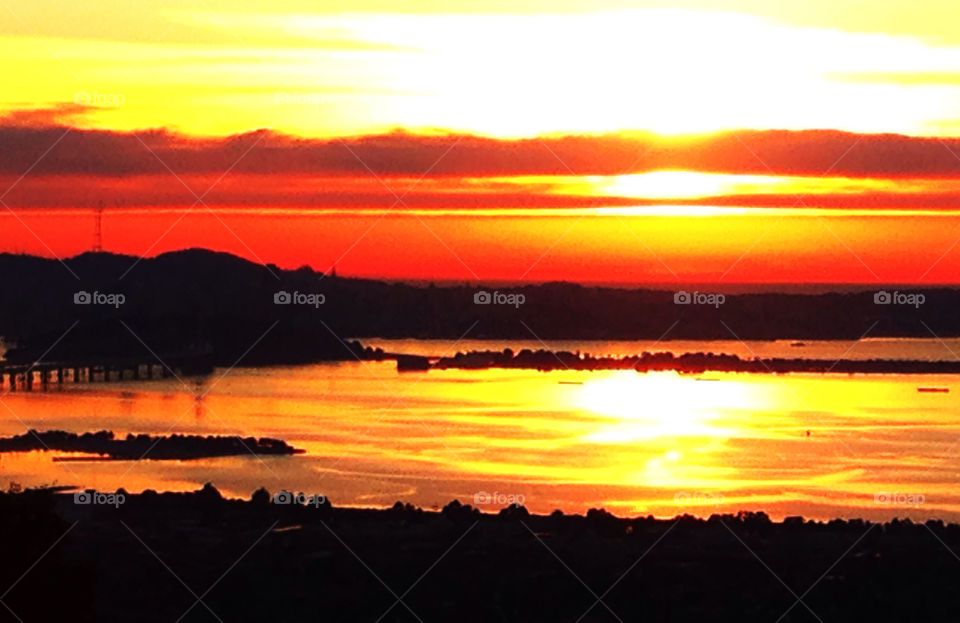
(264, 561)
(239, 312)
(688, 363)
(137, 447)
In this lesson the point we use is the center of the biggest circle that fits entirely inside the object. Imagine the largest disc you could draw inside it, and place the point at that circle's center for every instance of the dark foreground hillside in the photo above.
(198, 557)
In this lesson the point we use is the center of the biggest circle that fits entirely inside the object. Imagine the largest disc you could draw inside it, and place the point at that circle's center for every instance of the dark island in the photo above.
(137, 447)
(688, 363)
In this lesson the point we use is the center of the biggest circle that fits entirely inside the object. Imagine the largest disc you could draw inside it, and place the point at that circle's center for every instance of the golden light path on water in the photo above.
(818, 445)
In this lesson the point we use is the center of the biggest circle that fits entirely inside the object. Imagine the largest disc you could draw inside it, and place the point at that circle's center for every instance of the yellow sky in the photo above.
(499, 68)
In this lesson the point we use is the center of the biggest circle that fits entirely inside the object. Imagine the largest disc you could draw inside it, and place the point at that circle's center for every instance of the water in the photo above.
(818, 445)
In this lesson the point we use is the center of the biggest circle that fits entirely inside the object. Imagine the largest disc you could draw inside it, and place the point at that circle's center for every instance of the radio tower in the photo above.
(98, 230)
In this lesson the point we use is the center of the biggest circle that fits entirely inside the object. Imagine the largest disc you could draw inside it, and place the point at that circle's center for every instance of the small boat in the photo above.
(570, 382)
(933, 390)
(700, 378)
(798, 343)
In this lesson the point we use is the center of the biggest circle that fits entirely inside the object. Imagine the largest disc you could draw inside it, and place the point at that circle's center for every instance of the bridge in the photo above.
(43, 375)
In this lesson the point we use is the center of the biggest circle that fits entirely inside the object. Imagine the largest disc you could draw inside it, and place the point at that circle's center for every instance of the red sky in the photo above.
(726, 141)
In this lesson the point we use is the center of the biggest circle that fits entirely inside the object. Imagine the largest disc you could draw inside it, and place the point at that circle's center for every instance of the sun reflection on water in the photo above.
(657, 405)
(658, 443)
(672, 425)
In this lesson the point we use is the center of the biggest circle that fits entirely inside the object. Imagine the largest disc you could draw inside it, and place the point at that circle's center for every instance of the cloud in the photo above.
(61, 114)
(26, 135)
(72, 166)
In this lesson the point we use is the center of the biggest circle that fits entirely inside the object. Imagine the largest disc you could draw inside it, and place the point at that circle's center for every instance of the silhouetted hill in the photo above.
(197, 299)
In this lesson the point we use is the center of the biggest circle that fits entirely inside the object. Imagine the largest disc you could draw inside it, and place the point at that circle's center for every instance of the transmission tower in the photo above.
(98, 230)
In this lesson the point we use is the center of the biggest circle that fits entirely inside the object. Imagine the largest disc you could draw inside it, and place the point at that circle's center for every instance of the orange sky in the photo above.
(523, 140)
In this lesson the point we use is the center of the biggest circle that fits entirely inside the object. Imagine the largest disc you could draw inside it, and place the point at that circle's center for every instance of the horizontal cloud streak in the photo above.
(69, 166)
(804, 153)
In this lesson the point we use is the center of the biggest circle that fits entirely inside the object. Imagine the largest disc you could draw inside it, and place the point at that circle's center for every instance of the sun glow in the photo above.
(656, 405)
(694, 184)
(331, 73)
(671, 420)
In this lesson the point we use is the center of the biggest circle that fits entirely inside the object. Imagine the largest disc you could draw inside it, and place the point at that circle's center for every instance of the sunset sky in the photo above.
(633, 142)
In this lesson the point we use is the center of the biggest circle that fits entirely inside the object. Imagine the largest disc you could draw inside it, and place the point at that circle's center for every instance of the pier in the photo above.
(46, 375)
